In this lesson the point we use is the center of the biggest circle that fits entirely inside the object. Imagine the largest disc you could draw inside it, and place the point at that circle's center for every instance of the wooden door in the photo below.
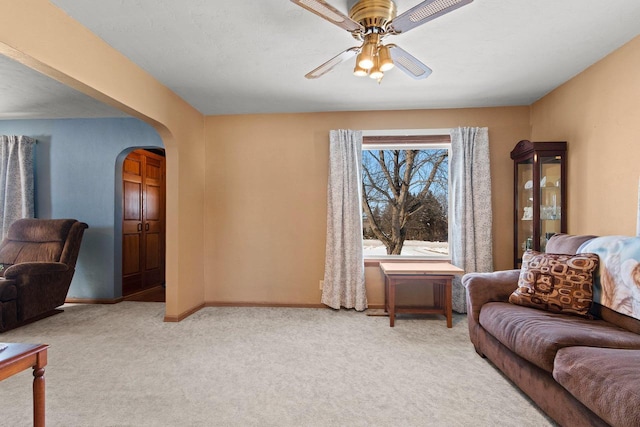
(143, 224)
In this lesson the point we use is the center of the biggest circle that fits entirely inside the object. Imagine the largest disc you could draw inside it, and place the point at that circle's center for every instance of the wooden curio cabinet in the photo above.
(540, 195)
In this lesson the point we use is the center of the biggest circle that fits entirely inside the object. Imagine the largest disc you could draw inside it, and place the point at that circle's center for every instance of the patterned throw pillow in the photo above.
(556, 283)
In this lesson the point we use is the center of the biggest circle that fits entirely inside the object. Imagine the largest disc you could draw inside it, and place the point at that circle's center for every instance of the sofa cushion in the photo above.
(605, 380)
(566, 243)
(557, 283)
(537, 335)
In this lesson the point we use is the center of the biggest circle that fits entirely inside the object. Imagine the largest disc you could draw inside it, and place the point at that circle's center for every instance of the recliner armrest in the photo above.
(488, 287)
(31, 268)
(8, 291)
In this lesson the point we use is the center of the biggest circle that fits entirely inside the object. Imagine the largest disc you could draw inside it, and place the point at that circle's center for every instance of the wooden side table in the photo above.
(16, 358)
(438, 274)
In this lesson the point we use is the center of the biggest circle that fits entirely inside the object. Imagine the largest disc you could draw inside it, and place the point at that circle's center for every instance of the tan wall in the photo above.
(265, 175)
(265, 204)
(598, 114)
(41, 36)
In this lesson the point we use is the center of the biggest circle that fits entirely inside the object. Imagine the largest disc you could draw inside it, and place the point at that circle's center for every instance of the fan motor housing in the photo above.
(373, 13)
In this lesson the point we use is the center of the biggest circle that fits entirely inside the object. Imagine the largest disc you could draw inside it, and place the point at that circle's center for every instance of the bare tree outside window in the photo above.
(405, 198)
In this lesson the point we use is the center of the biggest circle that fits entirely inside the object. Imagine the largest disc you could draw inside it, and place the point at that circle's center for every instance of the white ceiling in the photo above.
(27, 94)
(238, 57)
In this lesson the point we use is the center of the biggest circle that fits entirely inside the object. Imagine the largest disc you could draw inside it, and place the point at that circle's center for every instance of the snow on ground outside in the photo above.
(410, 248)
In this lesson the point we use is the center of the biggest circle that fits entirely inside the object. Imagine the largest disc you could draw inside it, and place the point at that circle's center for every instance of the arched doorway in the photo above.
(143, 229)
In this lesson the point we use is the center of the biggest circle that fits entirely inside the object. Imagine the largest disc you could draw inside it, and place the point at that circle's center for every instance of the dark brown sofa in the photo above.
(581, 372)
(38, 259)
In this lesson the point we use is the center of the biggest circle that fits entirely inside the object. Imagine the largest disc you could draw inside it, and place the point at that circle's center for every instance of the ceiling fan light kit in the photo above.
(370, 21)
(359, 71)
(384, 57)
(375, 72)
(368, 51)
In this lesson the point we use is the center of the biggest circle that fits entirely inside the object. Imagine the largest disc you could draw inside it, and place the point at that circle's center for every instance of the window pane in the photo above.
(405, 202)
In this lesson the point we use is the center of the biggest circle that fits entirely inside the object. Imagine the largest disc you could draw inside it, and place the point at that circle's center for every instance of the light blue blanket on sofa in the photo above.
(617, 282)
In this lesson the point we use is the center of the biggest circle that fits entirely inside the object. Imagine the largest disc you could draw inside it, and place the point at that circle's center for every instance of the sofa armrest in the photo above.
(488, 287)
(483, 288)
(33, 268)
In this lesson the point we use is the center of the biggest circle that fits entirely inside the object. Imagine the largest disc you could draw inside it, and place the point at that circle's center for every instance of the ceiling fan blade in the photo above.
(408, 63)
(330, 64)
(330, 13)
(424, 12)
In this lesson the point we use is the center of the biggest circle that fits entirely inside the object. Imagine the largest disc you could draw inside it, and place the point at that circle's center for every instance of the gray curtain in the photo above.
(470, 215)
(344, 263)
(16, 179)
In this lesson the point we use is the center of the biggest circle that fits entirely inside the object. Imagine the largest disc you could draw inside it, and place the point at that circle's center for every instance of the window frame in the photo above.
(402, 140)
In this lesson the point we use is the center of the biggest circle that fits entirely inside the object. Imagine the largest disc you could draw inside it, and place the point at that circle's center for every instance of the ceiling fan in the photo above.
(369, 22)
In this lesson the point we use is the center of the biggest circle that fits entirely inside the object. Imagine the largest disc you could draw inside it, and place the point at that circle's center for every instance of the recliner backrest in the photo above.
(42, 240)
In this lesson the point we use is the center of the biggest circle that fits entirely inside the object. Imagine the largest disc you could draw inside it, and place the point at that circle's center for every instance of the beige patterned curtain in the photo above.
(344, 263)
(470, 215)
(16, 180)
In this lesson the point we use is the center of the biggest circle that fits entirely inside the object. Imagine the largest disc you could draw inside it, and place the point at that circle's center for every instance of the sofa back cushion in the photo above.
(566, 243)
(35, 240)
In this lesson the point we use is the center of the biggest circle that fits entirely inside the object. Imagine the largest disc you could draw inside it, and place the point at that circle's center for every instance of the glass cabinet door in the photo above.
(524, 206)
(550, 198)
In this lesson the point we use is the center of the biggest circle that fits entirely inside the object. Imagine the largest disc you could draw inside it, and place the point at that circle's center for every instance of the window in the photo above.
(405, 196)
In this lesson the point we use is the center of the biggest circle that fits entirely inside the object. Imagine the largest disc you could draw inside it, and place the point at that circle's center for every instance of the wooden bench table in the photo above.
(16, 358)
(438, 274)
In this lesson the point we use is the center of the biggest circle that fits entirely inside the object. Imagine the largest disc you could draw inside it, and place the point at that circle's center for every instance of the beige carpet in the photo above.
(120, 365)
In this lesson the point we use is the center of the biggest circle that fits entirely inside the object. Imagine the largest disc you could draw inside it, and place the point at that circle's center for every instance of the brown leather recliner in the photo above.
(38, 259)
